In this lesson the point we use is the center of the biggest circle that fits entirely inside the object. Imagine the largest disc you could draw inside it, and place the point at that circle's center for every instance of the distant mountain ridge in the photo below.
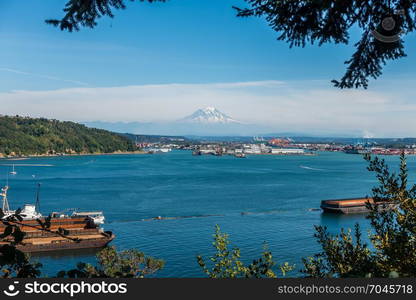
(206, 121)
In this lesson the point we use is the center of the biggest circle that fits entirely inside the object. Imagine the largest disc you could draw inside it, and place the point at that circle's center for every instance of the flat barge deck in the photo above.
(56, 232)
(80, 233)
(351, 205)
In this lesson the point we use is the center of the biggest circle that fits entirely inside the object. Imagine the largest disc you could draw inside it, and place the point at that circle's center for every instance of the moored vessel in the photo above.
(352, 205)
(158, 150)
(63, 232)
(96, 216)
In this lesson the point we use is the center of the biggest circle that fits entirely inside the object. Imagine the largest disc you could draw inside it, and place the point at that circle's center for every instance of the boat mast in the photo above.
(37, 204)
(5, 206)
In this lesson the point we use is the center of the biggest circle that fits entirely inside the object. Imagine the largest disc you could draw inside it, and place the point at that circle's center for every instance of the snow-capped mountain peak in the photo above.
(208, 115)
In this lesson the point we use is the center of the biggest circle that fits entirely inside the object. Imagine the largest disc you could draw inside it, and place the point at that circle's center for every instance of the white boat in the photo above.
(96, 216)
(159, 150)
(13, 172)
(31, 212)
(28, 212)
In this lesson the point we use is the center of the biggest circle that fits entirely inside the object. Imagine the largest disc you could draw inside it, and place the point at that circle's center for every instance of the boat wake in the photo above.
(269, 212)
(243, 213)
(89, 162)
(27, 165)
(19, 158)
(310, 168)
(160, 218)
(180, 217)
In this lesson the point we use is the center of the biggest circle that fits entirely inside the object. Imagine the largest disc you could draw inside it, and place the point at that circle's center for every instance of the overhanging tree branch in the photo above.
(383, 23)
(84, 13)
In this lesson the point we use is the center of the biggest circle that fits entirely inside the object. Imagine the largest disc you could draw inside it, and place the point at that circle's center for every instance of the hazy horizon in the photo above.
(137, 68)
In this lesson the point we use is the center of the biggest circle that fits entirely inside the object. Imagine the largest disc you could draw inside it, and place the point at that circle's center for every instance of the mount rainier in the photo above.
(207, 121)
(209, 115)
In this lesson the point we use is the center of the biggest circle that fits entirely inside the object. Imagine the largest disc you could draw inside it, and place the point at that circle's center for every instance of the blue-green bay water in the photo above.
(274, 193)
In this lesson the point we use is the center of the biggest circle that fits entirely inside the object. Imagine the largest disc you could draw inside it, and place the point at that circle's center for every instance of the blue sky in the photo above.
(187, 43)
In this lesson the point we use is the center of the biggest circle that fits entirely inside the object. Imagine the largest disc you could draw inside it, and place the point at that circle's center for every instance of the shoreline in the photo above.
(23, 157)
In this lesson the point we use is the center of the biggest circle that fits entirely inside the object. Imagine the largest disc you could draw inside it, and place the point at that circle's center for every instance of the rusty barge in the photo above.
(352, 205)
(76, 231)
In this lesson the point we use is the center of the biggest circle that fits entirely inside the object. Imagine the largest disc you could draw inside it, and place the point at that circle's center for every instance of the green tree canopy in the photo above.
(31, 136)
(226, 262)
(113, 264)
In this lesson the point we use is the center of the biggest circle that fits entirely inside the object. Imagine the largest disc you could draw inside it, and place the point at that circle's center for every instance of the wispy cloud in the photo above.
(285, 106)
(43, 76)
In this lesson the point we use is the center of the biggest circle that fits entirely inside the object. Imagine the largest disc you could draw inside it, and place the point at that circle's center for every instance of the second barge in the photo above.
(351, 205)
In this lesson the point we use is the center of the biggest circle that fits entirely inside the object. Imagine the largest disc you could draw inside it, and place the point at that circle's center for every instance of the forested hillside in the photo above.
(38, 136)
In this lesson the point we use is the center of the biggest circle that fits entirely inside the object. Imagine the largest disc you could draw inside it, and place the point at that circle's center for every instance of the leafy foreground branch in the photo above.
(13, 262)
(393, 235)
(227, 263)
(112, 264)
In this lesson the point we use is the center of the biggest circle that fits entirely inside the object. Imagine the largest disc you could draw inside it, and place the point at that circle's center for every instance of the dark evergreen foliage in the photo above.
(383, 24)
(329, 21)
(30, 136)
(13, 262)
(84, 13)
